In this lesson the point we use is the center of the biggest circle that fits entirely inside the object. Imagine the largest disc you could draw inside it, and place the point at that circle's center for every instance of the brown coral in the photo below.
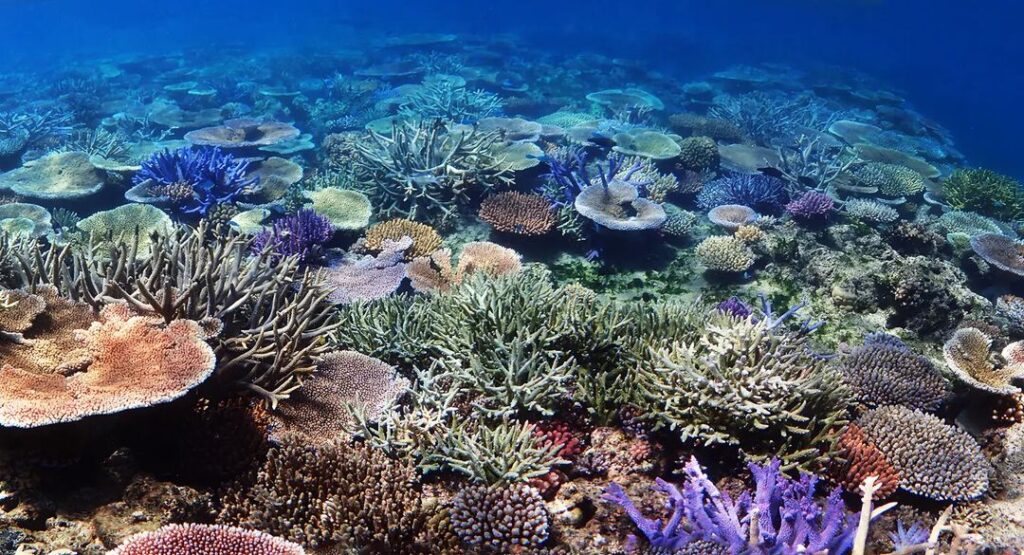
(50, 344)
(500, 519)
(343, 379)
(196, 539)
(968, 354)
(330, 496)
(432, 273)
(863, 459)
(425, 239)
(135, 362)
(933, 459)
(18, 310)
(518, 213)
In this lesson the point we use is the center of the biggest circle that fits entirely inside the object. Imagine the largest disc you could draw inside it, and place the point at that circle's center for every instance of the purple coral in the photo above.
(812, 205)
(788, 519)
(352, 278)
(734, 306)
(296, 235)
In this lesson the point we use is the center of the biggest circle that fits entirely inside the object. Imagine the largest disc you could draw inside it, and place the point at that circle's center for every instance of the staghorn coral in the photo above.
(427, 171)
(968, 355)
(744, 382)
(933, 459)
(273, 314)
(328, 496)
(188, 539)
(425, 239)
(891, 180)
(886, 372)
(859, 459)
(503, 453)
(192, 180)
(780, 515)
(447, 100)
(724, 254)
(320, 410)
(500, 519)
(985, 192)
(135, 362)
(518, 213)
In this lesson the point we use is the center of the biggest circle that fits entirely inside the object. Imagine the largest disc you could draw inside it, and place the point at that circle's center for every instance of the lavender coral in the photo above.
(812, 205)
(296, 235)
(193, 180)
(780, 516)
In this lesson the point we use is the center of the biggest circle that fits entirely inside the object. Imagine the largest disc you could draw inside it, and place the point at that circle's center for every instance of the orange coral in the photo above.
(435, 272)
(18, 310)
(863, 459)
(135, 361)
(49, 344)
(518, 213)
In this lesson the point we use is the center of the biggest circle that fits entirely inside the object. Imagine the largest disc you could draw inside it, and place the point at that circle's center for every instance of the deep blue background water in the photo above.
(959, 62)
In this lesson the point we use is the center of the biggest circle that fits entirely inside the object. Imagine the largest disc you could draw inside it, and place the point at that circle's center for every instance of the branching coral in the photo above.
(724, 253)
(299, 235)
(502, 453)
(781, 515)
(516, 213)
(192, 180)
(985, 192)
(760, 192)
(447, 100)
(745, 383)
(500, 519)
(329, 496)
(273, 316)
(891, 180)
(428, 172)
(870, 211)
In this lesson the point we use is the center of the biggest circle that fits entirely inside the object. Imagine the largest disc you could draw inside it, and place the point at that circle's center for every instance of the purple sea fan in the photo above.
(788, 518)
(811, 205)
(296, 235)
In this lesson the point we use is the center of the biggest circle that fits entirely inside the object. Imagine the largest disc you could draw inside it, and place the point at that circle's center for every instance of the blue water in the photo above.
(958, 62)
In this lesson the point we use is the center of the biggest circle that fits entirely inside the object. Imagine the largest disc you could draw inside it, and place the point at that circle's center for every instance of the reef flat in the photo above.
(451, 294)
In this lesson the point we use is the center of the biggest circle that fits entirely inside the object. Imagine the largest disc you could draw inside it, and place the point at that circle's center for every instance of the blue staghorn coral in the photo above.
(195, 180)
(780, 516)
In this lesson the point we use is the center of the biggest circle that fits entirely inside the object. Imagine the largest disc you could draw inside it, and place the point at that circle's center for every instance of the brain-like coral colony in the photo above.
(449, 295)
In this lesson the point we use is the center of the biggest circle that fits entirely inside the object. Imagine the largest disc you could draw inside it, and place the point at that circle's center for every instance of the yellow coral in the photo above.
(425, 239)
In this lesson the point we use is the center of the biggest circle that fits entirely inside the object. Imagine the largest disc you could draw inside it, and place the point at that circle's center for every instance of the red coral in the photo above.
(559, 433)
(863, 459)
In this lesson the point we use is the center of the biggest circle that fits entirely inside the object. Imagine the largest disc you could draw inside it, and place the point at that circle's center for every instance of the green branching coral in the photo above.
(986, 192)
(427, 171)
(505, 452)
(743, 383)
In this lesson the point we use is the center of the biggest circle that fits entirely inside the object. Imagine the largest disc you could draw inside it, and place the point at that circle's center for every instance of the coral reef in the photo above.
(985, 192)
(201, 538)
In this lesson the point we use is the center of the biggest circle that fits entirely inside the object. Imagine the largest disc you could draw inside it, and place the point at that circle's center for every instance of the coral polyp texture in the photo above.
(933, 459)
(364, 292)
(134, 361)
(205, 538)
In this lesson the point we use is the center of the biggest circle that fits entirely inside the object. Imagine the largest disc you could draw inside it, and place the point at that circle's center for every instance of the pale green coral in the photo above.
(743, 383)
(725, 253)
(891, 180)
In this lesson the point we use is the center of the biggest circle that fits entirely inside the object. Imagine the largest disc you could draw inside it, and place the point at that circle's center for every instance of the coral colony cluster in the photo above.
(413, 302)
